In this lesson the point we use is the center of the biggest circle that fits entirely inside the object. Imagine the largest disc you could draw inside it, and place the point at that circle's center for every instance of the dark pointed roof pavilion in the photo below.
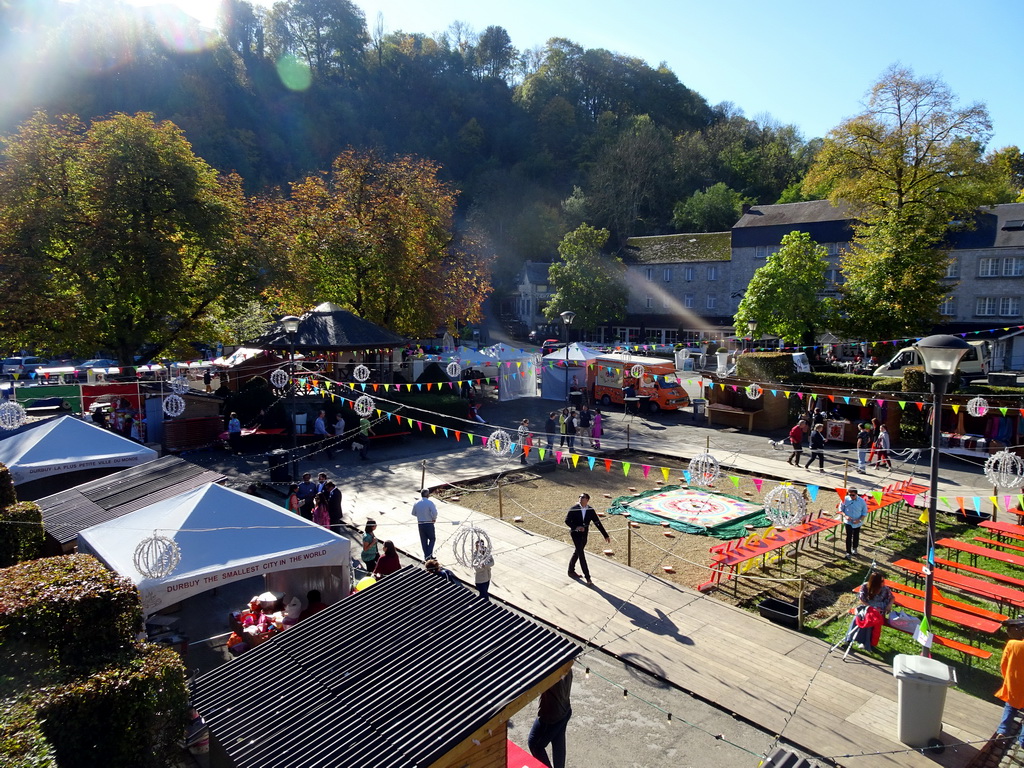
(330, 328)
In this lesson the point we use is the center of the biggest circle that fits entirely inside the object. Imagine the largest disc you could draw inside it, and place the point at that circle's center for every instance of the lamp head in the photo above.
(941, 353)
(291, 324)
(568, 316)
(752, 325)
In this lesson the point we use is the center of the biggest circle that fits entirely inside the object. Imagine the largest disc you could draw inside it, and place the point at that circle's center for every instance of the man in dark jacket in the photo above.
(333, 505)
(579, 518)
(306, 492)
(549, 727)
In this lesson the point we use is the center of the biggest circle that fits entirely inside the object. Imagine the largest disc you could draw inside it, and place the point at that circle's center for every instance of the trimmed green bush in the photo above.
(7, 494)
(125, 715)
(69, 609)
(765, 366)
(22, 742)
(21, 533)
(914, 379)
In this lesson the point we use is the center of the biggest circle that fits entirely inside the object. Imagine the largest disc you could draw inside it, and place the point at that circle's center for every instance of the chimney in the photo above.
(745, 209)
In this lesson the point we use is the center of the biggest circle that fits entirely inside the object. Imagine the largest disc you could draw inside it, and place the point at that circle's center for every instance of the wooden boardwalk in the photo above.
(783, 681)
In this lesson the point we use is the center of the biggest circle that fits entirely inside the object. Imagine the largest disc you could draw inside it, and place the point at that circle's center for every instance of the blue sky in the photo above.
(805, 63)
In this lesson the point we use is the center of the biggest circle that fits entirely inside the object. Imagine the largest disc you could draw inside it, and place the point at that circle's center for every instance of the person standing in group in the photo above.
(552, 718)
(882, 446)
(389, 562)
(483, 561)
(320, 514)
(425, 512)
(570, 430)
(586, 420)
(796, 440)
(1011, 693)
(596, 429)
(817, 448)
(307, 490)
(370, 554)
(863, 448)
(550, 428)
(235, 432)
(523, 436)
(365, 431)
(339, 430)
(321, 482)
(854, 511)
(293, 504)
(333, 499)
(578, 518)
(320, 431)
(208, 380)
(563, 417)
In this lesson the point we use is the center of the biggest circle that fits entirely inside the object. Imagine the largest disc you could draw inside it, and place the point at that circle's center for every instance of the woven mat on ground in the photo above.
(692, 510)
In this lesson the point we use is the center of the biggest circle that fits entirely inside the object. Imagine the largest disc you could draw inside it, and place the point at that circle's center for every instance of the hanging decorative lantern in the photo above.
(754, 391)
(500, 442)
(472, 547)
(1005, 470)
(174, 406)
(157, 556)
(977, 406)
(637, 371)
(179, 385)
(704, 470)
(361, 373)
(364, 405)
(12, 415)
(785, 506)
(279, 378)
(454, 369)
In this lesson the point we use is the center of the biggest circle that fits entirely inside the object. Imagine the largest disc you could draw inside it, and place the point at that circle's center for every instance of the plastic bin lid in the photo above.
(921, 668)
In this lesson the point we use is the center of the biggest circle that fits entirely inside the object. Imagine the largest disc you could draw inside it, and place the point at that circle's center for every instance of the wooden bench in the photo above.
(994, 543)
(726, 412)
(969, 651)
(940, 610)
(940, 598)
(1012, 581)
(975, 551)
(1009, 530)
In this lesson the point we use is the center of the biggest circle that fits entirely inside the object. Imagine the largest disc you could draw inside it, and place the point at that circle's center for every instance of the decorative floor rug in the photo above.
(692, 510)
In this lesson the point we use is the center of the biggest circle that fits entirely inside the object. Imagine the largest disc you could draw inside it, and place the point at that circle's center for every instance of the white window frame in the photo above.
(712, 301)
(689, 273)
(948, 307)
(1013, 266)
(832, 249)
(760, 251)
(649, 273)
(989, 267)
(953, 268)
(666, 274)
(1009, 306)
(650, 302)
(688, 301)
(712, 273)
(986, 306)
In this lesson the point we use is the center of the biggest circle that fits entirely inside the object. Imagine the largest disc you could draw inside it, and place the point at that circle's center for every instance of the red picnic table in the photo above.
(976, 551)
(940, 611)
(938, 597)
(997, 593)
(1009, 530)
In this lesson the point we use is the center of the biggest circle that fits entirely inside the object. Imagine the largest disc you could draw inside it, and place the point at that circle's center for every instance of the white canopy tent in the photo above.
(517, 371)
(556, 371)
(223, 536)
(66, 445)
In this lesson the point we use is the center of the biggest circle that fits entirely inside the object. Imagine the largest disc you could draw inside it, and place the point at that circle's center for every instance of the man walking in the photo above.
(584, 417)
(854, 510)
(425, 512)
(796, 440)
(863, 448)
(334, 506)
(579, 518)
(322, 436)
(364, 437)
(549, 727)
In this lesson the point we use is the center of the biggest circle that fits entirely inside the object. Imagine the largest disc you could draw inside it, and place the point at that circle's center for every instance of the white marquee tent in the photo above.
(556, 370)
(223, 536)
(517, 371)
(65, 445)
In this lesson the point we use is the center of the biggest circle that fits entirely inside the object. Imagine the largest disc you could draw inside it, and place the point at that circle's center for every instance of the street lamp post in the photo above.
(941, 355)
(567, 317)
(752, 327)
(291, 327)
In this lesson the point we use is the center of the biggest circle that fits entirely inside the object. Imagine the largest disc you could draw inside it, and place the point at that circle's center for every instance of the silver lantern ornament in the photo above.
(500, 442)
(12, 415)
(785, 506)
(472, 547)
(704, 470)
(174, 406)
(1005, 470)
(361, 373)
(364, 405)
(279, 379)
(977, 406)
(157, 556)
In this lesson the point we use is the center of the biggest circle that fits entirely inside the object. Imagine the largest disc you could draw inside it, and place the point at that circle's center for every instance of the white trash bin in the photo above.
(921, 698)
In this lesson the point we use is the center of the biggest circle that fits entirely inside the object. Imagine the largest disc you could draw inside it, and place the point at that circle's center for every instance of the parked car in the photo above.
(98, 362)
(19, 366)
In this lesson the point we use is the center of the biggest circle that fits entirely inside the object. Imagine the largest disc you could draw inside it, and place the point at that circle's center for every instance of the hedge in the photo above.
(7, 494)
(22, 742)
(126, 715)
(21, 533)
(69, 609)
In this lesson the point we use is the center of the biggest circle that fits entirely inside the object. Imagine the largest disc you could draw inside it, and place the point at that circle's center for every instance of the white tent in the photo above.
(517, 371)
(556, 371)
(223, 536)
(65, 445)
(240, 354)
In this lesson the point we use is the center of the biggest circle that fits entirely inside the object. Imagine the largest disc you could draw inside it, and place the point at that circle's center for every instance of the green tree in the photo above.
(587, 281)
(117, 237)
(784, 296)
(715, 210)
(330, 35)
(907, 167)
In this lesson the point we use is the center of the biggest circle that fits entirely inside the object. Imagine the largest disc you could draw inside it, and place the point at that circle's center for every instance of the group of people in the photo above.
(318, 501)
(873, 443)
(361, 440)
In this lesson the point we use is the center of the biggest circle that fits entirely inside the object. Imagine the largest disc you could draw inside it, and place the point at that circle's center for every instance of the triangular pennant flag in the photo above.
(846, 400)
(607, 465)
(664, 473)
(541, 452)
(470, 435)
(445, 430)
(841, 492)
(960, 501)
(590, 462)
(458, 434)
(647, 471)
(877, 496)
(735, 480)
(625, 468)
(863, 401)
(575, 459)
(686, 475)
(909, 499)
(419, 425)
(1003, 411)
(993, 500)
(812, 491)
(433, 428)
(774, 392)
(558, 457)
(483, 440)
(758, 482)
(800, 395)
(903, 404)
(956, 409)
(920, 406)
(526, 450)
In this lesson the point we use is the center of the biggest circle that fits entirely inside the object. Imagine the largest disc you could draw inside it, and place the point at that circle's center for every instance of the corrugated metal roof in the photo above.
(392, 677)
(68, 512)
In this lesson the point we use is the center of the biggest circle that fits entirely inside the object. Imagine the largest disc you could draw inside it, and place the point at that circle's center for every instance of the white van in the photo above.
(974, 363)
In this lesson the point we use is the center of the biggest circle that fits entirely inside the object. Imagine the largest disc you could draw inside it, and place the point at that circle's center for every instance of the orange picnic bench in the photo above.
(996, 593)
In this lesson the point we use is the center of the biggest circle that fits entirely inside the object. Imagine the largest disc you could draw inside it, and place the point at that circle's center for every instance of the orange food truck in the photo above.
(656, 385)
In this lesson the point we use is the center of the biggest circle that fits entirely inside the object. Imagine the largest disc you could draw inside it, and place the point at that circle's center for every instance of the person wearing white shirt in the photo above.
(425, 512)
(854, 511)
